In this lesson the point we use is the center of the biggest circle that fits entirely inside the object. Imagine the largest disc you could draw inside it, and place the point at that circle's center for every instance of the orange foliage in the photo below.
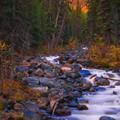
(108, 56)
(3, 46)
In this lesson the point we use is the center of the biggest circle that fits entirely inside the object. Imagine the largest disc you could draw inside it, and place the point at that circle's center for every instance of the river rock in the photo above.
(82, 107)
(21, 68)
(45, 66)
(85, 85)
(76, 67)
(106, 118)
(73, 75)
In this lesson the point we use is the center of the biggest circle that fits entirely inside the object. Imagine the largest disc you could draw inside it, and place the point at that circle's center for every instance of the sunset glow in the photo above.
(79, 3)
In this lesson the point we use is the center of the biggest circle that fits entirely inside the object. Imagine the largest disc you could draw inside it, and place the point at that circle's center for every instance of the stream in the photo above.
(105, 101)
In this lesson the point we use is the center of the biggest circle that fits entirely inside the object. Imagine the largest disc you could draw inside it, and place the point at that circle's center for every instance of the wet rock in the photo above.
(85, 73)
(106, 118)
(63, 112)
(92, 89)
(115, 93)
(117, 83)
(110, 75)
(43, 81)
(85, 85)
(82, 107)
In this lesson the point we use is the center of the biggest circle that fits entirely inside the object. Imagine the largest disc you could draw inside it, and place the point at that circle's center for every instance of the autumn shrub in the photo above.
(15, 90)
(104, 55)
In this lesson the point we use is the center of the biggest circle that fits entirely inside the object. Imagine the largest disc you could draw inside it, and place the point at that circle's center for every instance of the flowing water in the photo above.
(104, 102)
(101, 103)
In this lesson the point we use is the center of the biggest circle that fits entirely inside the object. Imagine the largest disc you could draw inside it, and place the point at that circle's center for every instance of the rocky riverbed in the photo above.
(69, 89)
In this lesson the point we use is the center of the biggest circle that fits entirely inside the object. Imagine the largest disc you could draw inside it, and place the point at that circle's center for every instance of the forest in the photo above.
(56, 56)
